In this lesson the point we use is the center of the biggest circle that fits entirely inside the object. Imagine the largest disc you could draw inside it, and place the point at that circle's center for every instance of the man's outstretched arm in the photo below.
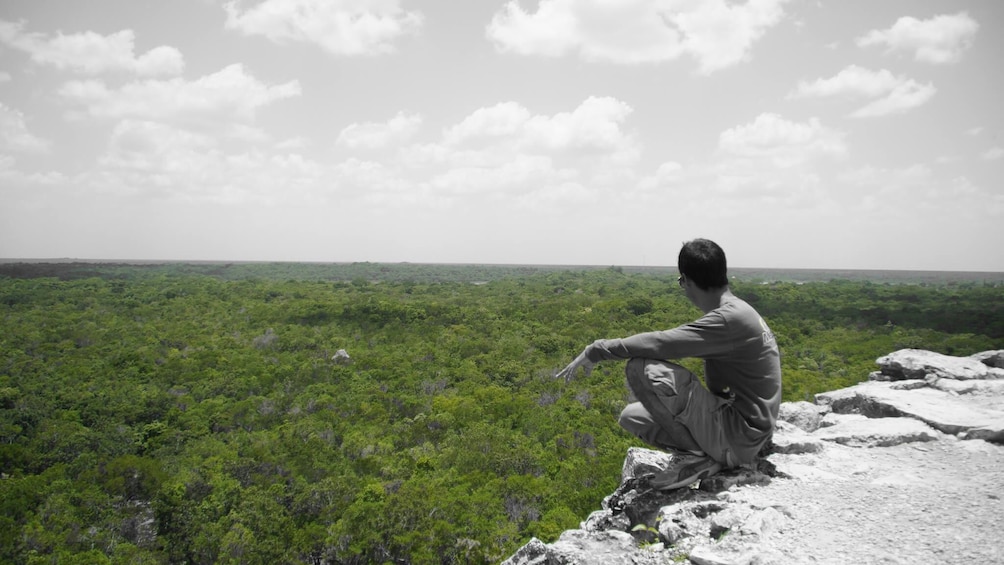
(568, 373)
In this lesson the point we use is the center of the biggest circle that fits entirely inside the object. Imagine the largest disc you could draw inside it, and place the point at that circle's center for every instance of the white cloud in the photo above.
(503, 119)
(373, 179)
(774, 163)
(993, 154)
(852, 80)
(157, 149)
(941, 39)
(505, 151)
(5, 77)
(892, 94)
(92, 53)
(14, 134)
(372, 135)
(595, 125)
(781, 142)
(666, 175)
(717, 33)
(905, 96)
(552, 31)
(228, 94)
(160, 160)
(720, 34)
(341, 27)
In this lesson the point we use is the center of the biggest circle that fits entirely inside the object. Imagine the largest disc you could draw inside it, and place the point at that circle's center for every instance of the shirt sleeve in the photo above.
(706, 338)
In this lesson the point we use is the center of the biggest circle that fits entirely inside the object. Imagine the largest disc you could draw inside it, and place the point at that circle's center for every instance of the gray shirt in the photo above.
(741, 363)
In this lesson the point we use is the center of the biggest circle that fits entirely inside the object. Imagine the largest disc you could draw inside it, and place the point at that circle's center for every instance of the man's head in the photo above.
(702, 261)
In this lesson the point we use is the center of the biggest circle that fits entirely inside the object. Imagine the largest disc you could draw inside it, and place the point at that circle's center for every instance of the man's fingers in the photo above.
(567, 373)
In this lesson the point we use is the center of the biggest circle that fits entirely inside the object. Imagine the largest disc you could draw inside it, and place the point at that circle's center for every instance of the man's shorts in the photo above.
(692, 406)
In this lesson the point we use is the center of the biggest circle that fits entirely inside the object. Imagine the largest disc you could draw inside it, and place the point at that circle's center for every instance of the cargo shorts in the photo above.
(674, 411)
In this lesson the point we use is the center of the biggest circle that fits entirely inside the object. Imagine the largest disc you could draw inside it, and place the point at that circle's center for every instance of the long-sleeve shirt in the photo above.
(741, 363)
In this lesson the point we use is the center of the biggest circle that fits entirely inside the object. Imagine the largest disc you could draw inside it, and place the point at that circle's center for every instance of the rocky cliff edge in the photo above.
(907, 467)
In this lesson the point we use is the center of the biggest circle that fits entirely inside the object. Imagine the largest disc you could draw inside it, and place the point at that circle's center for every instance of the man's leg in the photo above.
(653, 419)
(681, 406)
(639, 421)
(688, 415)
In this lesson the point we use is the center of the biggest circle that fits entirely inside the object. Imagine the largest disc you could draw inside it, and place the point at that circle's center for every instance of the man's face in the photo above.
(688, 287)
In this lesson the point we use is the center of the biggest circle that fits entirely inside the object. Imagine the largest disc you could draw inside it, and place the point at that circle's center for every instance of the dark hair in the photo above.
(703, 262)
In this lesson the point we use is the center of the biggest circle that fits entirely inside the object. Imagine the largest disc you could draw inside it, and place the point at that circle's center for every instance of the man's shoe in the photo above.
(685, 471)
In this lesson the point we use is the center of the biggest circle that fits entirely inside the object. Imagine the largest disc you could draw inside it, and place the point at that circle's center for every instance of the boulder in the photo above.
(919, 364)
(640, 462)
(990, 358)
(941, 410)
(579, 547)
(341, 357)
(805, 415)
(791, 440)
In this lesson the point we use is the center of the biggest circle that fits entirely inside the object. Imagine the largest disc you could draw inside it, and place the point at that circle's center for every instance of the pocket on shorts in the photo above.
(663, 378)
(703, 417)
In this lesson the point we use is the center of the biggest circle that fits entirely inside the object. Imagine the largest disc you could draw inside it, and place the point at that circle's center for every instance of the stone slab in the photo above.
(941, 410)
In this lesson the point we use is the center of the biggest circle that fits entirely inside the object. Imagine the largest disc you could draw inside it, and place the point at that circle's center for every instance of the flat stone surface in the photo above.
(877, 432)
(884, 479)
(942, 410)
(918, 364)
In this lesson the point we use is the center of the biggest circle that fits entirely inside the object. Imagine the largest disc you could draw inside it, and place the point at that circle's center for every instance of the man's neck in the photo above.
(708, 300)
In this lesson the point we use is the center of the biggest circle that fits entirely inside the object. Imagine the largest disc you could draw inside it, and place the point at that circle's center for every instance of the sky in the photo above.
(852, 134)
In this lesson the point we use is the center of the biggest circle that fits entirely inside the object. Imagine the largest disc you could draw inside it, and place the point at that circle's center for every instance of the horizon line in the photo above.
(57, 260)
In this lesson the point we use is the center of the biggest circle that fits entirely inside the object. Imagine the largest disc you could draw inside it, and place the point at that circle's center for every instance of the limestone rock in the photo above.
(640, 461)
(990, 358)
(941, 410)
(578, 547)
(805, 415)
(878, 432)
(533, 553)
(918, 364)
(341, 357)
(835, 418)
(981, 387)
(759, 473)
(791, 440)
(917, 396)
(585, 548)
(687, 519)
(606, 519)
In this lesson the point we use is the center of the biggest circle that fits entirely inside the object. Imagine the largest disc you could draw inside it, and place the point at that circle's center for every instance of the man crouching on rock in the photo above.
(714, 428)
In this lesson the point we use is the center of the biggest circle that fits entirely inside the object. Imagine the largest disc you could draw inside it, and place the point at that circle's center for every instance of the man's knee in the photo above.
(647, 374)
(636, 420)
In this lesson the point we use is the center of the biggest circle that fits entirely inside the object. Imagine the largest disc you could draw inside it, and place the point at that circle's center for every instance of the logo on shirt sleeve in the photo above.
(768, 336)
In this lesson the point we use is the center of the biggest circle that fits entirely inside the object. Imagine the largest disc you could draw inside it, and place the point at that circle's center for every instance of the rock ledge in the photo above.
(916, 398)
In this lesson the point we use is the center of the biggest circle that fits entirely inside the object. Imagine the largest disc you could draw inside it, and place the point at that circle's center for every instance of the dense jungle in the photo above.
(284, 413)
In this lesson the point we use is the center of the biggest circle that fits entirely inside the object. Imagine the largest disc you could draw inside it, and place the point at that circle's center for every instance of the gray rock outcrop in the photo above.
(917, 398)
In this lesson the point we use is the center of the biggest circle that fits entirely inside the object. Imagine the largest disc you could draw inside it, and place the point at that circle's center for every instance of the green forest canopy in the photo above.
(199, 413)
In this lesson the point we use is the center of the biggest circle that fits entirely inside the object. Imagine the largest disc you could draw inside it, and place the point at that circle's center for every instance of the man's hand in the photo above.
(569, 372)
